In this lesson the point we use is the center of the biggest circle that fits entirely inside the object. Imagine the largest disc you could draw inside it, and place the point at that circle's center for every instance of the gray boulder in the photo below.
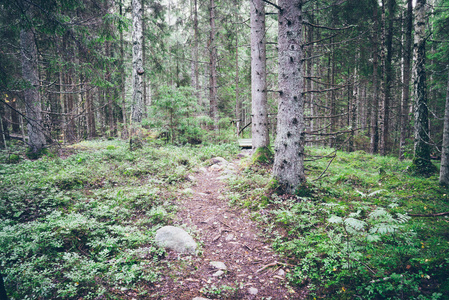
(176, 239)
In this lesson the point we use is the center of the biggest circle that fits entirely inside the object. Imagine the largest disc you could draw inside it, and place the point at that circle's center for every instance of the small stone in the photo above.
(253, 291)
(218, 273)
(229, 237)
(218, 264)
(281, 272)
(203, 169)
(219, 160)
(200, 298)
(215, 168)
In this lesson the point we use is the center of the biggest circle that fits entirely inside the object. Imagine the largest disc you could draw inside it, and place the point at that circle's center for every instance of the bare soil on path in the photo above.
(228, 235)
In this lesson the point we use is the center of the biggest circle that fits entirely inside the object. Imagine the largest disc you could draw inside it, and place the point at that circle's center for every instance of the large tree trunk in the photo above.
(31, 95)
(421, 161)
(444, 170)
(406, 78)
(260, 137)
(213, 109)
(137, 102)
(288, 168)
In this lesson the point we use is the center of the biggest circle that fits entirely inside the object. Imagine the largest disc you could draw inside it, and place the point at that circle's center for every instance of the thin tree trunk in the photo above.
(237, 98)
(260, 137)
(213, 109)
(288, 168)
(406, 78)
(444, 169)
(374, 136)
(137, 103)
(122, 78)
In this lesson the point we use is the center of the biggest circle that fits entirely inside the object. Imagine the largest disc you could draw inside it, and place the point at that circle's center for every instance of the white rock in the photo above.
(218, 273)
(253, 291)
(200, 298)
(218, 264)
(281, 272)
(229, 237)
(176, 239)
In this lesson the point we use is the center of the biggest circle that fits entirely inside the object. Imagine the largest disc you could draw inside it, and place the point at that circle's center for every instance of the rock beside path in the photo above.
(176, 239)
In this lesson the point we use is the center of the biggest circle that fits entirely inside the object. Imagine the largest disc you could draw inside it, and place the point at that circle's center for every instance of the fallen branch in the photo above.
(429, 215)
(273, 264)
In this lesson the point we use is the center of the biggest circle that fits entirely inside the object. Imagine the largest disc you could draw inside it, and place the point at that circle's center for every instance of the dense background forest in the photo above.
(122, 99)
(196, 58)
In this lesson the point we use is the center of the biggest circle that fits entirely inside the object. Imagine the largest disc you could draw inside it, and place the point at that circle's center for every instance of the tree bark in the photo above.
(288, 168)
(213, 109)
(388, 78)
(374, 136)
(137, 102)
(421, 161)
(444, 169)
(31, 94)
(195, 72)
(406, 78)
(260, 137)
(122, 78)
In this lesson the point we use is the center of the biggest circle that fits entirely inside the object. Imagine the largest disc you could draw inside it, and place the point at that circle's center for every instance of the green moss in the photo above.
(110, 147)
(14, 158)
(422, 167)
(262, 155)
(36, 154)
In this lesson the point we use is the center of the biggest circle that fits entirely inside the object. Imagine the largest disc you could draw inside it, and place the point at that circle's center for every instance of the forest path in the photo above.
(228, 235)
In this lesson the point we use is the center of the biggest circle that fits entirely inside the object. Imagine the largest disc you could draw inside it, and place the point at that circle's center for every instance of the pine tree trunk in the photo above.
(288, 168)
(195, 71)
(260, 137)
(374, 136)
(213, 109)
(31, 94)
(137, 102)
(421, 161)
(406, 78)
(444, 169)
(237, 97)
(122, 78)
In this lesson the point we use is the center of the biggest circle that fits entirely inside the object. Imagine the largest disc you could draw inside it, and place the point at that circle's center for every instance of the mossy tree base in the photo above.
(262, 155)
(422, 167)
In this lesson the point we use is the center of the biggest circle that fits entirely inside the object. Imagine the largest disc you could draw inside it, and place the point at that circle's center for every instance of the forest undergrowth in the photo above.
(351, 234)
(81, 225)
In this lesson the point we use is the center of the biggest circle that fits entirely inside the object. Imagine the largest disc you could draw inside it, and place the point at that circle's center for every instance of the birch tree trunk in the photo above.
(288, 168)
(421, 162)
(260, 136)
(31, 94)
(444, 169)
(137, 103)
(195, 72)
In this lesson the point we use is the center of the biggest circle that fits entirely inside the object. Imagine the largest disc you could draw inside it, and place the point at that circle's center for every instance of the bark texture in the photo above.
(421, 161)
(260, 137)
(288, 168)
(137, 103)
(444, 169)
(406, 77)
(213, 109)
(32, 98)
(374, 135)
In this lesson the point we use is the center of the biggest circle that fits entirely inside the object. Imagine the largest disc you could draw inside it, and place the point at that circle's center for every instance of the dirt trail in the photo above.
(226, 235)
